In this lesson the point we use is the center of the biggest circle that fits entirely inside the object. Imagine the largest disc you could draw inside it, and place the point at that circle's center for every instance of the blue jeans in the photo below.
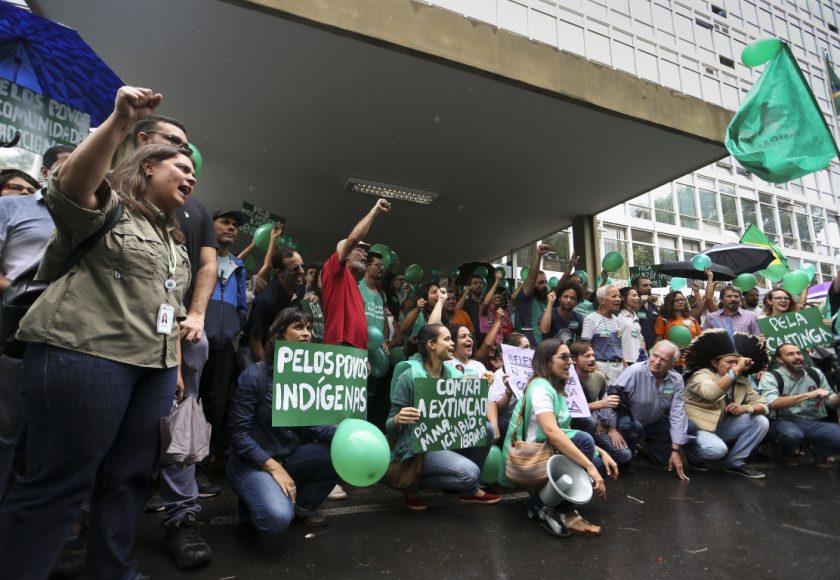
(602, 440)
(178, 489)
(451, 471)
(93, 424)
(824, 438)
(744, 432)
(12, 414)
(263, 503)
(657, 436)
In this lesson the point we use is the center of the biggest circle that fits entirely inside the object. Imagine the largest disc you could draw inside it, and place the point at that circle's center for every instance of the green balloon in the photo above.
(379, 362)
(492, 465)
(678, 283)
(393, 259)
(701, 262)
(809, 269)
(481, 271)
(397, 354)
(198, 161)
(302, 247)
(552, 282)
(774, 272)
(437, 274)
(745, 282)
(383, 251)
(584, 277)
(262, 236)
(679, 335)
(413, 274)
(375, 337)
(250, 263)
(359, 452)
(795, 282)
(503, 284)
(454, 273)
(612, 262)
(760, 51)
(523, 273)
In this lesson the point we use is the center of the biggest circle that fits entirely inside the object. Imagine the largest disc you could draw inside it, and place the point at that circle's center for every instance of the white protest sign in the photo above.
(575, 399)
(517, 363)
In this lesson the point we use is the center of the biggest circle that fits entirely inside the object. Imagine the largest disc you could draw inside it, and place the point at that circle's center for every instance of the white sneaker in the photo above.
(337, 493)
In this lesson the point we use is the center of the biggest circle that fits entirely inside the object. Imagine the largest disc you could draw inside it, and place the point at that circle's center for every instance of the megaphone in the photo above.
(566, 481)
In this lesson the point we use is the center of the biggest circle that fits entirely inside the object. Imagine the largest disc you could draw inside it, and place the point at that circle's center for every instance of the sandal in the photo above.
(549, 522)
(574, 522)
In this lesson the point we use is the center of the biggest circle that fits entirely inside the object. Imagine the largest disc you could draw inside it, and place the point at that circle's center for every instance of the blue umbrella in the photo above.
(53, 60)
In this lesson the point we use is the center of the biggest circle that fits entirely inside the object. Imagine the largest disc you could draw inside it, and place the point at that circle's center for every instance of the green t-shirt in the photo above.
(374, 305)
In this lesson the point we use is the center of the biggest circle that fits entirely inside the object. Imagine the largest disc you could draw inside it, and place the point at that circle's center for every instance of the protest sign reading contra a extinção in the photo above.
(452, 414)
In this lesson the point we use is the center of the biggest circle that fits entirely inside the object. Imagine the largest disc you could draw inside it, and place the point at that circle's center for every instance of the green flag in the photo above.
(779, 132)
(834, 81)
(756, 237)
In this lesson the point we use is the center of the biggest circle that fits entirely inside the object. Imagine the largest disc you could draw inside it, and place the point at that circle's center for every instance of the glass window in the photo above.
(663, 201)
(729, 208)
(765, 198)
(804, 232)
(748, 212)
(727, 188)
(786, 221)
(709, 211)
(690, 248)
(688, 208)
(668, 249)
(615, 240)
(642, 236)
(768, 222)
(826, 272)
(557, 259)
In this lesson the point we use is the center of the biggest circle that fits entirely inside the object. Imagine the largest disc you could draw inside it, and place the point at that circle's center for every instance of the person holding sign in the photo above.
(798, 394)
(101, 366)
(501, 399)
(277, 472)
(778, 301)
(457, 470)
(542, 415)
(721, 401)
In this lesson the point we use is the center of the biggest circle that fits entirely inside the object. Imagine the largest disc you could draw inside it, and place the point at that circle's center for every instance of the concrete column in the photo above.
(587, 245)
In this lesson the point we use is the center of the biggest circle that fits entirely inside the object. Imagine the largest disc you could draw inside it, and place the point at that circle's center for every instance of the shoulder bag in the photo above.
(525, 465)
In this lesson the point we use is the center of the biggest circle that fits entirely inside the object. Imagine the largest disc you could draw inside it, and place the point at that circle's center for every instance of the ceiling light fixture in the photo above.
(390, 190)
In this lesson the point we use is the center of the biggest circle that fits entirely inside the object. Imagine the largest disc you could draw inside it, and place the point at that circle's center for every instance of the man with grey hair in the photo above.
(601, 329)
(652, 405)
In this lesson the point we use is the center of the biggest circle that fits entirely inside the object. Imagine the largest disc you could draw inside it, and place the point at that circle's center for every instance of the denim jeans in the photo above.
(450, 471)
(263, 503)
(93, 424)
(657, 436)
(178, 489)
(823, 437)
(12, 414)
(744, 432)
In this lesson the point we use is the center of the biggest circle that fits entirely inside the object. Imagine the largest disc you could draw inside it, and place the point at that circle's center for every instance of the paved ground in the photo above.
(718, 525)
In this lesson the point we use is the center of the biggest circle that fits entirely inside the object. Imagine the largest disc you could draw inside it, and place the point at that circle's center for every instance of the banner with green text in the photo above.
(804, 328)
(318, 384)
(452, 414)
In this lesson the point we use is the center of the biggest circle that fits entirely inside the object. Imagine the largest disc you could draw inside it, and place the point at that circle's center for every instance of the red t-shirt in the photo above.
(344, 309)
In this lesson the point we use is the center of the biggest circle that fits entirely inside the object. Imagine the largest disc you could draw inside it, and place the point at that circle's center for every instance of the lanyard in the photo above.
(172, 260)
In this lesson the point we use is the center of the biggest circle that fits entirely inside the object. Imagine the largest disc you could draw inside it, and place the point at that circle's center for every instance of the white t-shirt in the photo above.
(541, 402)
(631, 335)
(472, 370)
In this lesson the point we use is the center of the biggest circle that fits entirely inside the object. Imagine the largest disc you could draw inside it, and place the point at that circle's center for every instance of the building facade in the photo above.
(694, 47)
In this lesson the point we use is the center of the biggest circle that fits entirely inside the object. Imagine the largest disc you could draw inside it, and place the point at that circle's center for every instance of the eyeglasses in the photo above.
(173, 139)
(785, 298)
(563, 357)
(20, 188)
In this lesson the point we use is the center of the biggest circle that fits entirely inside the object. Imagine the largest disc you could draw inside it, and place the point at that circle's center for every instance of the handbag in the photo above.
(184, 434)
(403, 475)
(525, 464)
(25, 289)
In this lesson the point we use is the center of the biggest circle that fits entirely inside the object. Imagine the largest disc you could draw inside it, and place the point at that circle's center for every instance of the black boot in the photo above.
(186, 545)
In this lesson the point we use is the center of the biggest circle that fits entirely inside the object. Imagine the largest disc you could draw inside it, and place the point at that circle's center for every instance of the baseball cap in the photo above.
(241, 218)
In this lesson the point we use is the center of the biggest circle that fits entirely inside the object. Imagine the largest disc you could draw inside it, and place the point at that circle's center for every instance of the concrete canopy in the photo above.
(284, 109)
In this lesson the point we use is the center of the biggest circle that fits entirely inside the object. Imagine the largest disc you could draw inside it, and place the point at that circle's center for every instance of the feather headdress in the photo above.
(717, 342)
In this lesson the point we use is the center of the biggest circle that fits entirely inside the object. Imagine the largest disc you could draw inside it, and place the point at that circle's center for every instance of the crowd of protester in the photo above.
(162, 309)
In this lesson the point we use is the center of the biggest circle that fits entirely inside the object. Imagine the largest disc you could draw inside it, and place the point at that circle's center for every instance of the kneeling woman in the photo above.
(457, 471)
(546, 418)
(277, 472)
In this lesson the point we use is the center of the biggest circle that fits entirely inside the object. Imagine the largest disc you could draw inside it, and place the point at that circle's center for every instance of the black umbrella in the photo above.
(741, 258)
(687, 270)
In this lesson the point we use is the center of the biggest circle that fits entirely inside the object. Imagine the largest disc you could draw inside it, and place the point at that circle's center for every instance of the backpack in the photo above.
(25, 289)
(780, 383)
(222, 321)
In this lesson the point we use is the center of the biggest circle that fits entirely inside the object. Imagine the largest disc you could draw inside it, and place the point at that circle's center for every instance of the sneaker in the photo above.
(154, 504)
(746, 471)
(698, 466)
(549, 522)
(415, 503)
(314, 520)
(206, 488)
(186, 545)
(337, 493)
(485, 498)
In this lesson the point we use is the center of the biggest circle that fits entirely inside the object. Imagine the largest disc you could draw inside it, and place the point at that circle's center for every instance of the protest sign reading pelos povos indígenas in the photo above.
(452, 414)
(318, 384)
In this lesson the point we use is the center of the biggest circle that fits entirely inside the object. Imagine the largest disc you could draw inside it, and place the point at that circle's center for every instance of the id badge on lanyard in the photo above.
(166, 312)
